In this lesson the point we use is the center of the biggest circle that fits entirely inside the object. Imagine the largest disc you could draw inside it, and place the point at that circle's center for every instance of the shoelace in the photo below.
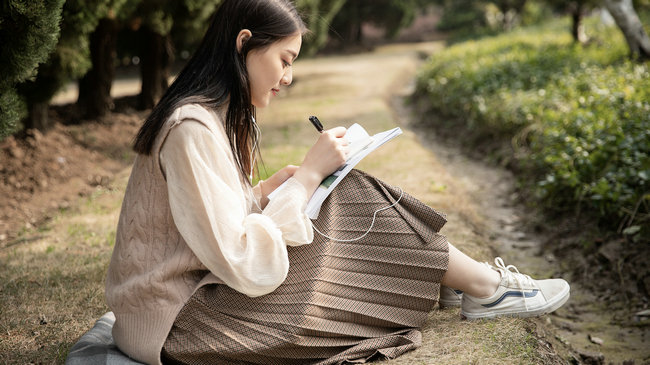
(512, 274)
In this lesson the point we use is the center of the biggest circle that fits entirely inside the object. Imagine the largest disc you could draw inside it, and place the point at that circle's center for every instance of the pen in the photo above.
(316, 123)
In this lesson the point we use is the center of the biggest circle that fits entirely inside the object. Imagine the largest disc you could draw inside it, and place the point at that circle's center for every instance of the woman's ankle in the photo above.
(486, 288)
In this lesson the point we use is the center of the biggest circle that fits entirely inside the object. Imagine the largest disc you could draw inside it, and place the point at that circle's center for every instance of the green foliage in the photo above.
(157, 15)
(162, 16)
(71, 57)
(569, 6)
(641, 5)
(12, 110)
(578, 118)
(342, 19)
(462, 14)
(392, 15)
(184, 21)
(536, 12)
(29, 32)
(190, 23)
(318, 15)
(476, 18)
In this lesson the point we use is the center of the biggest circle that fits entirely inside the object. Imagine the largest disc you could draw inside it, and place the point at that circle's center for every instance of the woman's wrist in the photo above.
(264, 200)
(308, 178)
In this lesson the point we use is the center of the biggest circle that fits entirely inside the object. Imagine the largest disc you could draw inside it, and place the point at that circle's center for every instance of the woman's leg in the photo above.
(470, 276)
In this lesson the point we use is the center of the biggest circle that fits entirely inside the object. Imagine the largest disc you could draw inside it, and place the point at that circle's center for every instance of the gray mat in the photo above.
(97, 346)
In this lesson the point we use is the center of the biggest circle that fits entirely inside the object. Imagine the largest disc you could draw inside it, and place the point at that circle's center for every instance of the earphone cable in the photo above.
(374, 217)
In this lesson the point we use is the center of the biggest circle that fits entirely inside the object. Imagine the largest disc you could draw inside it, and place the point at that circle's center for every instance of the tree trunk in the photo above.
(578, 28)
(628, 21)
(354, 34)
(95, 87)
(512, 11)
(37, 117)
(155, 65)
(320, 19)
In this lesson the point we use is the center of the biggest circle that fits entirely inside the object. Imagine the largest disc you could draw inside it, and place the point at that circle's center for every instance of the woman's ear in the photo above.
(243, 36)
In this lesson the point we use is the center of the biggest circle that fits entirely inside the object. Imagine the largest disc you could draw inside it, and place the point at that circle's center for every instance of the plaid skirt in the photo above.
(342, 302)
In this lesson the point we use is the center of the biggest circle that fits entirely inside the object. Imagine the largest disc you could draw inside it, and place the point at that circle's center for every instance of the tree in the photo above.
(191, 20)
(511, 11)
(158, 19)
(577, 9)
(69, 61)
(95, 86)
(462, 15)
(319, 15)
(29, 33)
(391, 15)
(155, 52)
(628, 21)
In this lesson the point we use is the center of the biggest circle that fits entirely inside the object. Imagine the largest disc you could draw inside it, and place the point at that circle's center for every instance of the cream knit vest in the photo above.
(152, 272)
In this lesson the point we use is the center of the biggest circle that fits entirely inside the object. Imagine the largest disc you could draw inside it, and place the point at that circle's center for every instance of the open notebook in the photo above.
(360, 144)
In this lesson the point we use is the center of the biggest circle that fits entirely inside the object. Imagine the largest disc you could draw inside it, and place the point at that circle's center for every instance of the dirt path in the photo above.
(52, 274)
(368, 89)
(484, 218)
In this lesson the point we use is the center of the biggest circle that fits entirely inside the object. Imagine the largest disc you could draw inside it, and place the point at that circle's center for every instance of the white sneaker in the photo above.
(518, 295)
(450, 297)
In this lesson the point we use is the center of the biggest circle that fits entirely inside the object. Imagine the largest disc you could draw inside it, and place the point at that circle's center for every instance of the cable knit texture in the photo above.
(187, 220)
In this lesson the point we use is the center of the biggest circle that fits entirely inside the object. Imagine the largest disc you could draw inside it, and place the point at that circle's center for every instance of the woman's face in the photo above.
(270, 67)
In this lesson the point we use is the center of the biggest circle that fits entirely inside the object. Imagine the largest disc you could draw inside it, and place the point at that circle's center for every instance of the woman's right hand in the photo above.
(325, 157)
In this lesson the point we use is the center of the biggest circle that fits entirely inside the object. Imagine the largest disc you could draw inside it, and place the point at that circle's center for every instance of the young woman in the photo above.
(206, 269)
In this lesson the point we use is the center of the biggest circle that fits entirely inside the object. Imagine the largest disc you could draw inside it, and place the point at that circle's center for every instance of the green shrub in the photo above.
(578, 117)
(29, 32)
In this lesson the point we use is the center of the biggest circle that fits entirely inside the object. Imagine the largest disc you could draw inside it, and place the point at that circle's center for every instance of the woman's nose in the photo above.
(288, 77)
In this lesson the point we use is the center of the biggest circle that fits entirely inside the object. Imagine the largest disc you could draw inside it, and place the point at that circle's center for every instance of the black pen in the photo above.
(316, 123)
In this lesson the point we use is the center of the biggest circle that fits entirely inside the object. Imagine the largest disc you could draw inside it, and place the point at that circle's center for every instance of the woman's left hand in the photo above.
(273, 182)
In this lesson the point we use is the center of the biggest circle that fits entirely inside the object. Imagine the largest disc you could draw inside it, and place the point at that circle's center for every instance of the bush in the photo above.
(29, 32)
(578, 117)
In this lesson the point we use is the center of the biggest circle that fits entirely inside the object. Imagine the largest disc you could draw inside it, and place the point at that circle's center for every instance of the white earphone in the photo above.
(374, 215)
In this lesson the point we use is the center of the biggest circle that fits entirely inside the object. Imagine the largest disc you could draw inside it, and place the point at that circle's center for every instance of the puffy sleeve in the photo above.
(246, 250)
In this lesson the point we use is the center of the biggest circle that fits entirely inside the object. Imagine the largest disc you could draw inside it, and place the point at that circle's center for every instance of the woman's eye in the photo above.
(286, 64)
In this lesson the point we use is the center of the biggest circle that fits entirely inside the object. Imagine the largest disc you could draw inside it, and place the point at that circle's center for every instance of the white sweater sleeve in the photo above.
(248, 251)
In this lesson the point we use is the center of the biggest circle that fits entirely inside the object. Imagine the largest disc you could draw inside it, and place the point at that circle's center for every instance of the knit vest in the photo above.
(152, 272)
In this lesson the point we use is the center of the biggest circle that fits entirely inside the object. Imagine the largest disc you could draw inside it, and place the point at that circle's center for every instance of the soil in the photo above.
(43, 173)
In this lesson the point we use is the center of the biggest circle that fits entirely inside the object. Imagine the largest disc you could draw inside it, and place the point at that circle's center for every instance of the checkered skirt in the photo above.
(341, 302)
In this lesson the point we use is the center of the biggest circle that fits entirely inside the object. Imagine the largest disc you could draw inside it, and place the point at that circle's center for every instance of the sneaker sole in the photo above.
(550, 306)
(449, 304)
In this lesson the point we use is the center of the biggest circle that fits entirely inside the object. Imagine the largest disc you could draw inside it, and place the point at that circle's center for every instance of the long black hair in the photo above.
(217, 73)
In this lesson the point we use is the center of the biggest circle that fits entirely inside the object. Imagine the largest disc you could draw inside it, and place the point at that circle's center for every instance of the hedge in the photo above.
(577, 116)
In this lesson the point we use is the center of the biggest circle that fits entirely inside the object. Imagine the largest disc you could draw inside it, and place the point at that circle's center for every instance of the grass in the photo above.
(572, 118)
(52, 287)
